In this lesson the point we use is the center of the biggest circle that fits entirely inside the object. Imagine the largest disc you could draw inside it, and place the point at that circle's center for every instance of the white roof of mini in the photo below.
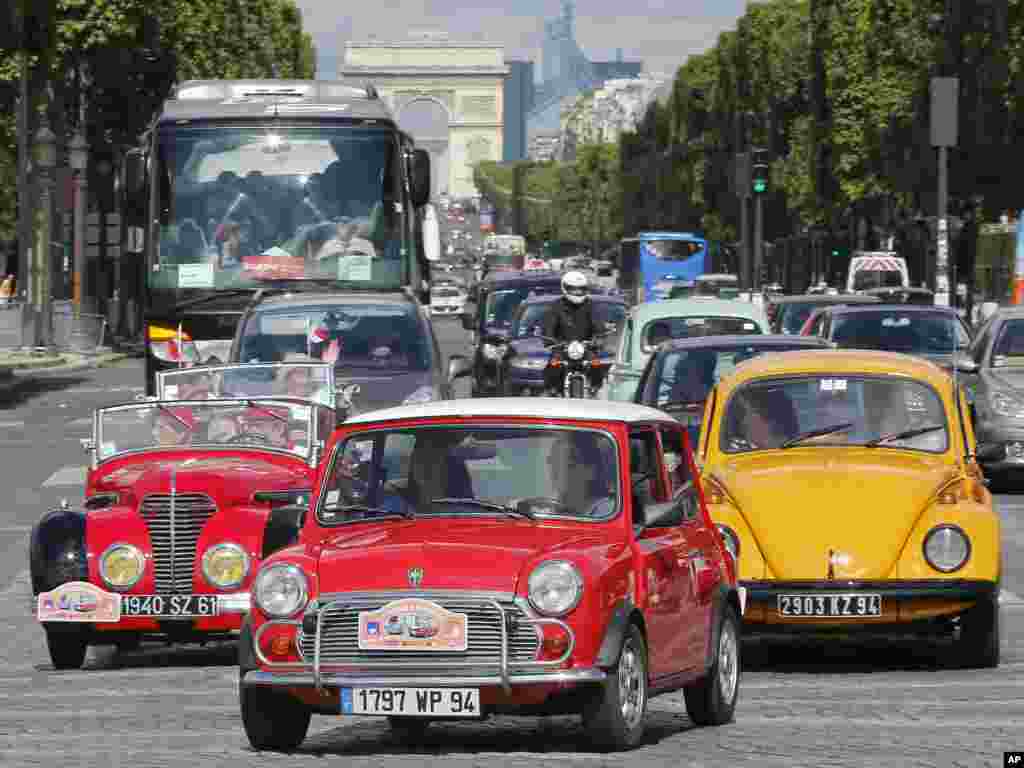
(531, 407)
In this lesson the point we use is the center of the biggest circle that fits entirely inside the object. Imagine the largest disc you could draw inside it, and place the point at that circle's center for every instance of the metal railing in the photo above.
(83, 334)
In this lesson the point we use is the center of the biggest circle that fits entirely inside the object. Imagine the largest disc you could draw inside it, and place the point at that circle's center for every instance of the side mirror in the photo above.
(420, 177)
(343, 397)
(458, 367)
(468, 321)
(987, 453)
(965, 363)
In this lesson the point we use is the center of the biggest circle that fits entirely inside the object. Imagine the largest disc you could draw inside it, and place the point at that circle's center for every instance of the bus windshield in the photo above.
(245, 203)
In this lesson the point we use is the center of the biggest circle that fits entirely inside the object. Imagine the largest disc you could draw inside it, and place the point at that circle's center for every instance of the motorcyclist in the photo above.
(571, 318)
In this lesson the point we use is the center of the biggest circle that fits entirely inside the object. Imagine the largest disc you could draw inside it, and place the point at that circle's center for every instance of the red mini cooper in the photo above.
(183, 500)
(468, 558)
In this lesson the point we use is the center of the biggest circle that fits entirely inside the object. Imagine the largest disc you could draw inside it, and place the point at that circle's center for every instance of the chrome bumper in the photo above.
(419, 672)
(237, 603)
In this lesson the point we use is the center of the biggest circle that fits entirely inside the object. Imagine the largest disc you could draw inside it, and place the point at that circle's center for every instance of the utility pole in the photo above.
(743, 193)
(759, 186)
(944, 92)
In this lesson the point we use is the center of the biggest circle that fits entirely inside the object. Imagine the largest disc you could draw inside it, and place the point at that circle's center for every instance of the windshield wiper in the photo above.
(488, 505)
(904, 435)
(216, 294)
(820, 432)
(407, 514)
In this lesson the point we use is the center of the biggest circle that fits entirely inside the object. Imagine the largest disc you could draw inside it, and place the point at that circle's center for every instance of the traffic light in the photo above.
(760, 172)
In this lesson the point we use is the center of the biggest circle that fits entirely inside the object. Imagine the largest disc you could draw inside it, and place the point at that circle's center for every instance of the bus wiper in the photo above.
(904, 435)
(488, 505)
(820, 432)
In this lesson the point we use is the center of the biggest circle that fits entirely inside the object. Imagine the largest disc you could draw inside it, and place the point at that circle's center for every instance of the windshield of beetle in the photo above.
(829, 410)
(268, 423)
(304, 380)
(518, 472)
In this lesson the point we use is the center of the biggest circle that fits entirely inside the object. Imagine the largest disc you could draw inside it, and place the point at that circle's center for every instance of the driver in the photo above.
(762, 418)
(298, 381)
(578, 473)
(173, 426)
(571, 318)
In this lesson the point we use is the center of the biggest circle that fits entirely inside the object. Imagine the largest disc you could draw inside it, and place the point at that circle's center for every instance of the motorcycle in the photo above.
(579, 358)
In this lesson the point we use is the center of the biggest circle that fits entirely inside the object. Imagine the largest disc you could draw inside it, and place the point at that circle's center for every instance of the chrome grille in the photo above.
(339, 643)
(174, 533)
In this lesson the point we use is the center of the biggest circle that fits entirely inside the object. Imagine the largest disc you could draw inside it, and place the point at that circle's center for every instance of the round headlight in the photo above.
(732, 541)
(555, 587)
(280, 590)
(575, 351)
(121, 566)
(946, 548)
(225, 565)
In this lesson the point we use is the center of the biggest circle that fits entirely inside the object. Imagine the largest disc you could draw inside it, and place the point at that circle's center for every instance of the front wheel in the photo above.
(67, 647)
(978, 644)
(711, 700)
(614, 717)
(273, 720)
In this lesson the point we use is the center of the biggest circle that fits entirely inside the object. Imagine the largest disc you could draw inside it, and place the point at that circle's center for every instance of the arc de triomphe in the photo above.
(462, 82)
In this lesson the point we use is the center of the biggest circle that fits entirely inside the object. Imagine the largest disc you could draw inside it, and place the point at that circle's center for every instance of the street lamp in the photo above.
(45, 152)
(78, 157)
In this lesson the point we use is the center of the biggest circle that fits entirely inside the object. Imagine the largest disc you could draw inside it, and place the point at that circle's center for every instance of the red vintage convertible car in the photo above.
(475, 557)
(184, 499)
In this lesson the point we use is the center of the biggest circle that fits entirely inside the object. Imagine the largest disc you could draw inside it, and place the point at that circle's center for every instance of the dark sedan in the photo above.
(526, 358)
(789, 313)
(681, 373)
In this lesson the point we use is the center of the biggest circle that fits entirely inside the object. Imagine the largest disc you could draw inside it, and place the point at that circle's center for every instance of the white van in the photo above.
(876, 269)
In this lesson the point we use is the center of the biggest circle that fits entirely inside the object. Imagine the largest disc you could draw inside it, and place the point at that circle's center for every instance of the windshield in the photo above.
(502, 304)
(673, 250)
(852, 410)
(530, 318)
(665, 328)
(306, 380)
(1009, 346)
(449, 470)
(249, 203)
(876, 278)
(250, 424)
(380, 336)
(895, 331)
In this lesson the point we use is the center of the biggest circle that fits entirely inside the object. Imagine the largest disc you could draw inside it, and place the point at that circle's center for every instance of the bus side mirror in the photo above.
(420, 177)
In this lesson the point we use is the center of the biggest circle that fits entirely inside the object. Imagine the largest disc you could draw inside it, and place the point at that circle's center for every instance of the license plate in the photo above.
(169, 606)
(848, 604)
(412, 702)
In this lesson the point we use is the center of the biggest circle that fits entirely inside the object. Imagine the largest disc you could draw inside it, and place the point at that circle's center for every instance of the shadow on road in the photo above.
(23, 389)
(846, 656)
(156, 656)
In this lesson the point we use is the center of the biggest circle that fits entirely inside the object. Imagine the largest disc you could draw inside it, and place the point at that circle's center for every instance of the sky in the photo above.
(661, 33)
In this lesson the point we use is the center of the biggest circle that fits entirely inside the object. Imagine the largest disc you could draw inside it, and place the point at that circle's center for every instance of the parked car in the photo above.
(681, 373)
(649, 324)
(789, 313)
(522, 368)
(183, 500)
(564, 552)
(845, 483)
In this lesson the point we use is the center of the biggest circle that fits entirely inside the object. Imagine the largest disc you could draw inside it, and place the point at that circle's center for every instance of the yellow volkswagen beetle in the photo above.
(846, 484)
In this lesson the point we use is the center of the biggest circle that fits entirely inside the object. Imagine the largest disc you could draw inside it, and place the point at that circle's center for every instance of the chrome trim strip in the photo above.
(316, 648)
(503, 670)
(258, 677)
(423, 594)
(239, 602)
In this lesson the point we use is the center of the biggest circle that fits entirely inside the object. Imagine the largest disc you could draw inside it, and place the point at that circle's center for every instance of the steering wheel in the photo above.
(543, 501)
(243, 437)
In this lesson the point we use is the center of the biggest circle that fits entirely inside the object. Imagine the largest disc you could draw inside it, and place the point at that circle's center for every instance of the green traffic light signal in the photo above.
(760, 186)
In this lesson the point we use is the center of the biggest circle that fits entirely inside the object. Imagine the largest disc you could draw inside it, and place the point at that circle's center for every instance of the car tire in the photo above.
(67, 647)
(978, 645)
(607, 726)
(409, 729)
(273, 720)
(711, 700)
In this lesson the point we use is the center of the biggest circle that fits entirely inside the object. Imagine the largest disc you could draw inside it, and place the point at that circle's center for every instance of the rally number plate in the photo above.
(169, 606)
(849, 604)
(412, 702)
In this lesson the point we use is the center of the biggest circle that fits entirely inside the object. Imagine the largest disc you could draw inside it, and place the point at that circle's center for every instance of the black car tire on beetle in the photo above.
(978, 644)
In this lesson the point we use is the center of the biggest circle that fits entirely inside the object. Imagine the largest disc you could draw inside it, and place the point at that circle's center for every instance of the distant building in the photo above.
(545, 146)
(518, 100)
(601, 115)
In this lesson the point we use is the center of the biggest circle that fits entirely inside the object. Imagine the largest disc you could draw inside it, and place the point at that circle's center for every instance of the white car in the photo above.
(447, 300)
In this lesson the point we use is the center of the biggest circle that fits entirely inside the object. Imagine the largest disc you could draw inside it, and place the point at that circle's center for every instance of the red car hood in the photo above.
(453, 554)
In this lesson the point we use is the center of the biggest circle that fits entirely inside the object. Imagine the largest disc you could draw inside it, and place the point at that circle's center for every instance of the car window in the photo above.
(470, 471)
(794, 316)
(666, 328)
(677, 463)
(980, 343)
(644, 472)
(897, 331)
(627, 343)
(816, 410)
(1008, 349)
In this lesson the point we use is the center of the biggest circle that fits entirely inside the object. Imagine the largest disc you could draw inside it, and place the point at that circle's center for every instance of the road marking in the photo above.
(66, 476)
(11, 424)
(86, 421)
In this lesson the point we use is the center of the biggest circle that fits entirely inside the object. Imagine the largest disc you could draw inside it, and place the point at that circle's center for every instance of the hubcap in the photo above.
(728, 663)
(632, 685)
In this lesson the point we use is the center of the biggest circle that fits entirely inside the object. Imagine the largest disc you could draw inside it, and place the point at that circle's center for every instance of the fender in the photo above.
(615, 634)
(282, 528)
(57, 552)
(246, 654)
(723, 595)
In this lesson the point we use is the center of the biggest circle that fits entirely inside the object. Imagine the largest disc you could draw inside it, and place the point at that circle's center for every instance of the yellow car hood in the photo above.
(860, 505)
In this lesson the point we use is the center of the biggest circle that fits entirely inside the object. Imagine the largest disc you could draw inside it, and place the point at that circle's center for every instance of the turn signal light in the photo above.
(556, 641)
(278, 642)
(163, 333)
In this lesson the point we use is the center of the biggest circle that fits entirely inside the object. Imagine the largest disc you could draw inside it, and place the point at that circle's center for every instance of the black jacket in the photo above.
(566, 321)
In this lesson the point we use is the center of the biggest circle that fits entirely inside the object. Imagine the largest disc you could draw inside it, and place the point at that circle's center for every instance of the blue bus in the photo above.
(651, 264)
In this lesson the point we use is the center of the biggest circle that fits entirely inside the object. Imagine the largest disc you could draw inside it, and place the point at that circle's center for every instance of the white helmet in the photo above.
(574, 287)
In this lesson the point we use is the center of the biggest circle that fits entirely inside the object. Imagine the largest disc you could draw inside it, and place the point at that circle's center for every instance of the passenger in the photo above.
(173, 426)
(760, 419)
(268, 424)
(695, 375)
(579, 474)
